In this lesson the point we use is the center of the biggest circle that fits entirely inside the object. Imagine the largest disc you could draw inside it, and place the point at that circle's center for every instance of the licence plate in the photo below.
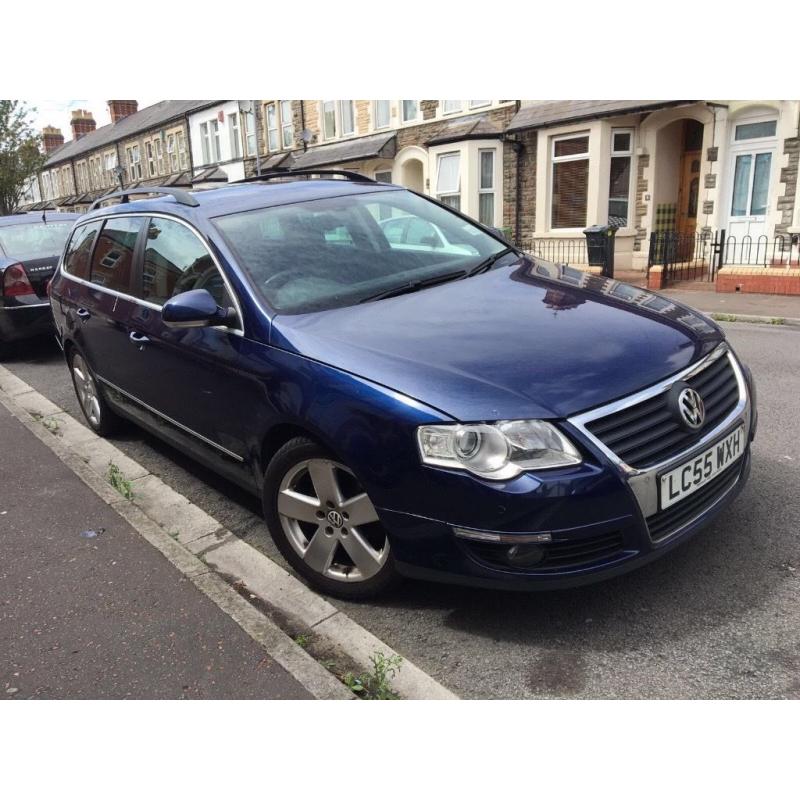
(692, 475)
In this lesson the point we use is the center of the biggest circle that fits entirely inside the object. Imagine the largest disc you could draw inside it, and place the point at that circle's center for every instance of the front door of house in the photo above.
(688, 196)
(752, 158)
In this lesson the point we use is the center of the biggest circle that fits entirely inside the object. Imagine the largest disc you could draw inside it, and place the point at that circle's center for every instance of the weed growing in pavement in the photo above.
(376, 685)
(118, 480)
(302, 639)
(52, 425)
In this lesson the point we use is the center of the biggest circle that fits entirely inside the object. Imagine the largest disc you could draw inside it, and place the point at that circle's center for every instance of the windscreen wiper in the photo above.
(488, 263)
(413, 286)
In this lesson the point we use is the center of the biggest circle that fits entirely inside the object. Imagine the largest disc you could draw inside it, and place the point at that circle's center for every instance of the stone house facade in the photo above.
(541, 170)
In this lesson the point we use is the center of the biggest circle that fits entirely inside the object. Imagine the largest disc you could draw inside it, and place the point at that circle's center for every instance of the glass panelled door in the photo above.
(752, 157)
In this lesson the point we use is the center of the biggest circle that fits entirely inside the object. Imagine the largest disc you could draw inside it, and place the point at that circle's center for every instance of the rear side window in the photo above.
(176, 261)
(76, 262)
(112, 264)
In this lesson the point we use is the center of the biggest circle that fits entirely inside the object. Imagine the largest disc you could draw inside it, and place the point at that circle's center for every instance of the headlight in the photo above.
(500, 451)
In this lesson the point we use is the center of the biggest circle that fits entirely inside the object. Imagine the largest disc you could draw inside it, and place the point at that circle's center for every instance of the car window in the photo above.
(112, 263)
(76, 261)
(337, 251)
(176, 261)
(32, 240)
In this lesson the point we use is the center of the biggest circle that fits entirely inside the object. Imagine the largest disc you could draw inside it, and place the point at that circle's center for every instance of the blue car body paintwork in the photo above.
(524, 340)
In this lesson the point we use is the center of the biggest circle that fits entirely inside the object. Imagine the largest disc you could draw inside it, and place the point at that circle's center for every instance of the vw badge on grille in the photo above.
(691, 408)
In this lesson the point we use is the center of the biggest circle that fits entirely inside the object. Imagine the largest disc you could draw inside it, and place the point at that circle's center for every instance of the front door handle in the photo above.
(83, 313)
(139, 339)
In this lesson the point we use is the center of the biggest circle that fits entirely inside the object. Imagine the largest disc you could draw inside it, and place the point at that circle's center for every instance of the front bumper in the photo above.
(25, 321)
(592, 522)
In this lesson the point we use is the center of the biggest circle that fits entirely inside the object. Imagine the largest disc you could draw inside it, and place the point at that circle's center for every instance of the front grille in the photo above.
(647, 433)
(568, 554)
(663, 523)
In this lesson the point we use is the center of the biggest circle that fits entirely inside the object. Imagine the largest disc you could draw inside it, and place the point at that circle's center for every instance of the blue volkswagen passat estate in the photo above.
(462, 413)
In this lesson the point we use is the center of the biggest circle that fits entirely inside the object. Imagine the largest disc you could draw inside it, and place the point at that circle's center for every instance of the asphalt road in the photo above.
(716, 618)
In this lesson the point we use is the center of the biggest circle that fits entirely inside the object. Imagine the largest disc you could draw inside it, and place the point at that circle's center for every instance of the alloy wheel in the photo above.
(86, 390)
(330, 521)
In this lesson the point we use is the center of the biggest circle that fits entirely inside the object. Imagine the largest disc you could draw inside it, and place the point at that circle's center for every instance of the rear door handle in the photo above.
(138, 339)
(83, 313)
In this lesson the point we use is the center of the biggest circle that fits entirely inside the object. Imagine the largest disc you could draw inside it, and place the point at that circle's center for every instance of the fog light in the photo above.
(525, 555)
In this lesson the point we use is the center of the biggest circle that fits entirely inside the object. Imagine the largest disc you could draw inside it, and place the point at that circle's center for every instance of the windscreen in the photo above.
(339, 251)
(31, 240)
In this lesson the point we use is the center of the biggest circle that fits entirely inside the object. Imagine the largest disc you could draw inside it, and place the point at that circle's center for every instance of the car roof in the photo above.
(236, 198)
(18, 219)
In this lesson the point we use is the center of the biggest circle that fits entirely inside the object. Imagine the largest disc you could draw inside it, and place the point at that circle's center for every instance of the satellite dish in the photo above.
(306, 135)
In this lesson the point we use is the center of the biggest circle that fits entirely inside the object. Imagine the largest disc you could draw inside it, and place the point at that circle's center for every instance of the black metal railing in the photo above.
(761, 251)
(682, 256)
(561, 251)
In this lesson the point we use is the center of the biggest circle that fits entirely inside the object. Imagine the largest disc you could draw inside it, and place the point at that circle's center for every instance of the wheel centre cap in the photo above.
(335, 519)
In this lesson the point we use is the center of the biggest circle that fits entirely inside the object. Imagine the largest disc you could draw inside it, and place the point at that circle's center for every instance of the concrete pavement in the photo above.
(88, 609)
(769, 306)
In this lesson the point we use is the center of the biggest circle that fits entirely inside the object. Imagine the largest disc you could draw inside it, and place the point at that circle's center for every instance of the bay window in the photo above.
(215, 149)
(409, 110)
(134, 164)
(451, 106)
(347, 116)
(159, 155)
(479, 103)
(619, 188)
(448, 180)
(486, 188)
(382, 113)
(569, 181)
(151, 159)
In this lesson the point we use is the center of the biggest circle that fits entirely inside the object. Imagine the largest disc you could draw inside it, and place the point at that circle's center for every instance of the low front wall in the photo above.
(759, 280)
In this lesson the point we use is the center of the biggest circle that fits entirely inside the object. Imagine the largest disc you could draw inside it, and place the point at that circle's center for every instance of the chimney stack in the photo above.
(82, 123)
(52, 138)
(119, 109)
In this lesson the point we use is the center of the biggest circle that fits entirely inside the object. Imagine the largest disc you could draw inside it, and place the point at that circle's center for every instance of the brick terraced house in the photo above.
(670, 175)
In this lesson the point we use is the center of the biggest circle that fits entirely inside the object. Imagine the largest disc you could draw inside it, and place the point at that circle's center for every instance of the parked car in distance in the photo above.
(479, 417)
(30, 247)
(408, 232)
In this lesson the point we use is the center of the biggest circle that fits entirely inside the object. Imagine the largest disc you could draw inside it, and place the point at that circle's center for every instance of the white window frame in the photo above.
(172, 153)
(205, 143)
(159, 148)
(340, 108)
(623, 154)
(554, 159)
(487, 190)
(287, 124)
(235, 135)
(183, 159)
(447, 111)
(272, 128)
(213, 127)
(442, 196)
(151, 158)
(326, 134)
(109, 164)
(408, 120)
(479, 104)
(249, 127)
(375, 125)
(134, 162)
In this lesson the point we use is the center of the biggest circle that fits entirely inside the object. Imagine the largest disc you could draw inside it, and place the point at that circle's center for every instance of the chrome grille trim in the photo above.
(643, 481)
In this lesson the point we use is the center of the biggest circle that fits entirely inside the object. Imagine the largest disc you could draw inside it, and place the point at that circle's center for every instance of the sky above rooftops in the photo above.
(59, 113)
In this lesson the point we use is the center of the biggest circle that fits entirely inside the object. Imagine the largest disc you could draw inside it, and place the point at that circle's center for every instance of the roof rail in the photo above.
(182, 197)
(290, 173)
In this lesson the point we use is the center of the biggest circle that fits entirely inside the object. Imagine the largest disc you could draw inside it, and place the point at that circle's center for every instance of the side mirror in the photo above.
(195, 309)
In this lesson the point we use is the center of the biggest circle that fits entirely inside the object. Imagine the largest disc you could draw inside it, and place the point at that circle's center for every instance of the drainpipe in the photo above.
(517, 147)
(303, 124)
(188, 145)
(258, 138)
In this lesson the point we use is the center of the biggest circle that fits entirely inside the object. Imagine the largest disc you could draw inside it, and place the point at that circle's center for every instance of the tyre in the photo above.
(100, 418)
(324, 524)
